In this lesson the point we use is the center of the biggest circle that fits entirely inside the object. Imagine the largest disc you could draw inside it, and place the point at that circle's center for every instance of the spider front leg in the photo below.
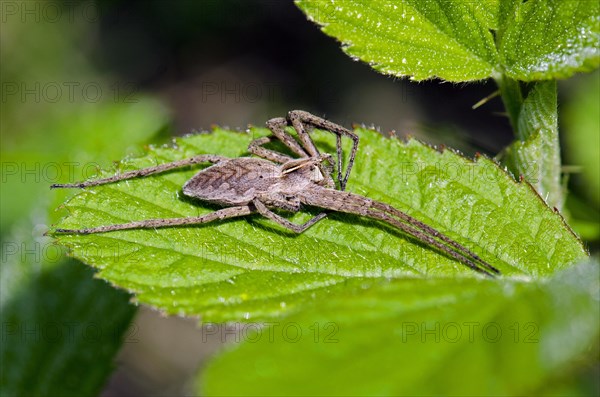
(256, 148)
(300, 118)
(277, 127)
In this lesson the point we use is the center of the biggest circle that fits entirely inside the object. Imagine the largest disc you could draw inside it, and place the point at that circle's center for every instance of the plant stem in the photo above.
(512, 97)
(535, 153)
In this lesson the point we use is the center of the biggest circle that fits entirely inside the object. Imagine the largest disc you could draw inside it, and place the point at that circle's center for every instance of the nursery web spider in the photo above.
(277, 181)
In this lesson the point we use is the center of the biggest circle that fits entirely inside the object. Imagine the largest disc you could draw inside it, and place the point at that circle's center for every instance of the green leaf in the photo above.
(551, 39)
(465, 40)
(252, 269)
(421, 39)
(60, 327)
(536, 153)
(421, 337)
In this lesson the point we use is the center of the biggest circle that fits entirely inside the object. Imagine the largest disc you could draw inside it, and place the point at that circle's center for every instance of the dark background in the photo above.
(238, 62)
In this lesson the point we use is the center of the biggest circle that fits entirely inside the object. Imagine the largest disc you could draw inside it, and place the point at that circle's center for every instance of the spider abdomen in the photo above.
(233, 182)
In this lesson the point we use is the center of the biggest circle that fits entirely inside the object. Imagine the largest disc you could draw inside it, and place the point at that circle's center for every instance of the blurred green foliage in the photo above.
(61, 120)
(422, 337)
(582, 119)
(581, 123)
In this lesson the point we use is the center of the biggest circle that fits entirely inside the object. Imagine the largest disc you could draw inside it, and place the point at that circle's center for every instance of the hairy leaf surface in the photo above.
(465, 40)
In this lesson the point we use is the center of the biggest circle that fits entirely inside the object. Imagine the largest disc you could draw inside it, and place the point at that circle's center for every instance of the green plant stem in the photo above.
(535, 153)
(512, 97)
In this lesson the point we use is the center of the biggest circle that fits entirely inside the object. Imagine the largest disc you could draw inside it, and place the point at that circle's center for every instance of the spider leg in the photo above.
(267, 213)
(351, 203)
(431, 231)
(460, 256)
(256, 148)
(277, 126)
(203, 158)
(225, 213)
(300, 118)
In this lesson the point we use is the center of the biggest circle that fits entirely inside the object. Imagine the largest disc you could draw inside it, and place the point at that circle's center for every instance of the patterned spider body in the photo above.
(239, 181)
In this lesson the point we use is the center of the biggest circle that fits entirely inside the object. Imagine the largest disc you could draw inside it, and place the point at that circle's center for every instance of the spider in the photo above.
(247, 185)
